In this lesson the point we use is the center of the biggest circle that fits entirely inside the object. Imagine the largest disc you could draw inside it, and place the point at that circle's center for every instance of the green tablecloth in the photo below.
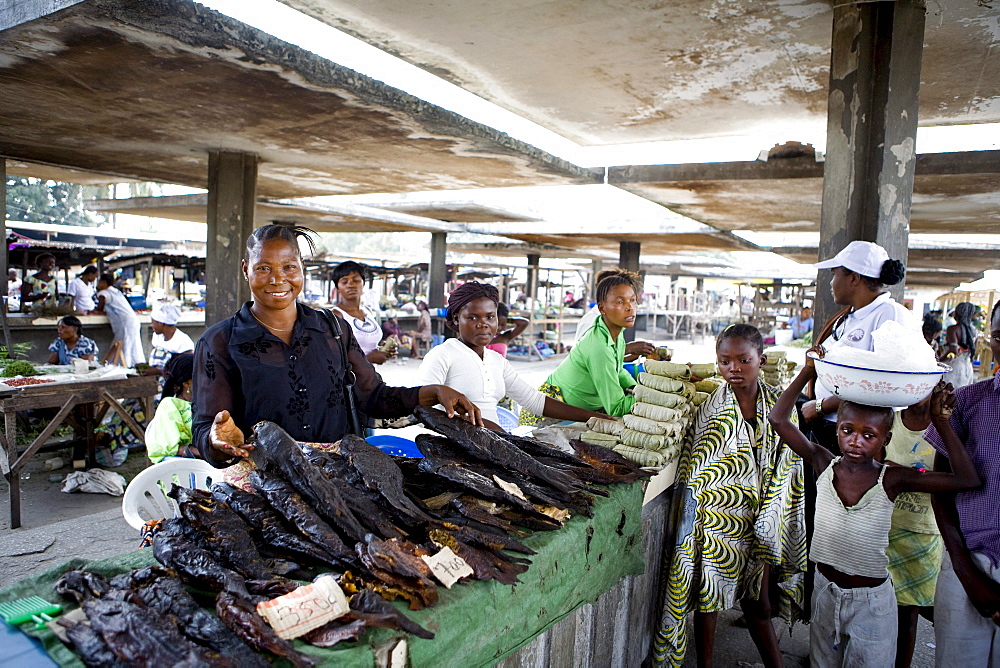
(476, 623)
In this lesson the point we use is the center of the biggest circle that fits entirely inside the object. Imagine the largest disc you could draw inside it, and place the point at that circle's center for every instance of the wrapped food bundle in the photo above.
(703, 371)
(778, 371)
(669, 369)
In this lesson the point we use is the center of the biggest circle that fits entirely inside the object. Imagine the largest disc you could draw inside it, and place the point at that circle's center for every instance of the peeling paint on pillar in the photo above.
(871, 129)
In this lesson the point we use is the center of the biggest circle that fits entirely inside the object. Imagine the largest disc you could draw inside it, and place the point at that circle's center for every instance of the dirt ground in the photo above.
(43, 503)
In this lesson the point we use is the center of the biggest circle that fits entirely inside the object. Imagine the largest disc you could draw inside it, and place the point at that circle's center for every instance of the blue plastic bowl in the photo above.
(635, 369)
(395, 445)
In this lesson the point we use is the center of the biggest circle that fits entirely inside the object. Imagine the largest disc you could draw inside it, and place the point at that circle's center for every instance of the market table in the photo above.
(84, 401)
(477, 623)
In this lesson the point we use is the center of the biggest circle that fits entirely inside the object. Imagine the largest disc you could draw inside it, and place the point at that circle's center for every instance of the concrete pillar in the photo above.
(871, 132)
(3, 225)
(232, 192)
(595, 268)
(628, 259)
(531, 287)
(628, 255)
(438, 270)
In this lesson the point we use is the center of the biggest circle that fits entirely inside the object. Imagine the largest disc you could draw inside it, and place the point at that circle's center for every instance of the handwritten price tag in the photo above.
(308, 607)
(448, 567)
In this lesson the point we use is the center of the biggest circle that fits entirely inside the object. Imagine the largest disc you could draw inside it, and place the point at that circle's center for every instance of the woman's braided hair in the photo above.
(465, 295)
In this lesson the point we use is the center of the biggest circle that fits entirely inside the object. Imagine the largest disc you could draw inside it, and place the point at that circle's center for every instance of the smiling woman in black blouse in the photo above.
(278, 360)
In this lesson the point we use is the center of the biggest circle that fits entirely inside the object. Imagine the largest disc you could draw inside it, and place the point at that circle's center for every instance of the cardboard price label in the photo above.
(308, 607)
(448, 567)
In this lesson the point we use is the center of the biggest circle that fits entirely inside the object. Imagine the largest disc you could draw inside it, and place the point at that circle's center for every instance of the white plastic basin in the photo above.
(877, 387)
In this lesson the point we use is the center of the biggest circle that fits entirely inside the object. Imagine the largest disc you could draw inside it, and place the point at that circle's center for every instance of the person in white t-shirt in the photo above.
(465, 363)
(167, 339)
(84, 290)
(13, 291)
(860, 273)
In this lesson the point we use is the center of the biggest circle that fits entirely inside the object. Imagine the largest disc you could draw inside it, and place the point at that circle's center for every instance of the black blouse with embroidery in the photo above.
(245, 369)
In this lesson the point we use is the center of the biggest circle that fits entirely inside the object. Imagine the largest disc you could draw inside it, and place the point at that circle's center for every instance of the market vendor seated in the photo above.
(169, 432)
(278, 360)
(592, 376)
(467, 365)
(70, 343)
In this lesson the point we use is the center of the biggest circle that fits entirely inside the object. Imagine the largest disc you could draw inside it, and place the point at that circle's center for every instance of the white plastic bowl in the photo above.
(877, 387)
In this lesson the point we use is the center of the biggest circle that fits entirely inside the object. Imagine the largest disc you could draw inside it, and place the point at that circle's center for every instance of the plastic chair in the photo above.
(395, 445)
(507, 419)
(146, 496)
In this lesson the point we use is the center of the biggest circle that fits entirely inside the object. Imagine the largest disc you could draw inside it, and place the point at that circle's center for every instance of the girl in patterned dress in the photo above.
(741, 530)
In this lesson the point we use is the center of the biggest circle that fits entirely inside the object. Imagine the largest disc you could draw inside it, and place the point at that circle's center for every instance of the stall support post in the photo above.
(3, 224)
(871, 132)
(531, 288)
(232, 191)
(595, 269)
(438, 269)
(628, 259)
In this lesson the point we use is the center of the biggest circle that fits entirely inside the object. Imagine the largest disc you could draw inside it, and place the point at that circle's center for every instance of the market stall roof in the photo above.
(605, 73)
(198, 81)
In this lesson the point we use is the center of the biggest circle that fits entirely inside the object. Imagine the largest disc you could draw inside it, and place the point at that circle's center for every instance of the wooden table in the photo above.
(84, 403)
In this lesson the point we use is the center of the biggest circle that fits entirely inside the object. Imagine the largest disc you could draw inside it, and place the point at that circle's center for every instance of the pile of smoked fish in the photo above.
(360, 513)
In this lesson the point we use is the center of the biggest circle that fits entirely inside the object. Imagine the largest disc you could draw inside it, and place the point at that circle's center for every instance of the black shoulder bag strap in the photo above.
(353, 421)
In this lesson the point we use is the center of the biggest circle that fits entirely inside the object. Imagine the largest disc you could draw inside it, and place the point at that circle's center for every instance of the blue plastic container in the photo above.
(395, 445)
(138, 302)
(634, 369)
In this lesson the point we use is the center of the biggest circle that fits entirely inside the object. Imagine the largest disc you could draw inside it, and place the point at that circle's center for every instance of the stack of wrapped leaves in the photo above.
(651, 434)
(778, 371)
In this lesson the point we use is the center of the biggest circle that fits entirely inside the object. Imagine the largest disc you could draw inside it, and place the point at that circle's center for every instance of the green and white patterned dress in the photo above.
(740, 506)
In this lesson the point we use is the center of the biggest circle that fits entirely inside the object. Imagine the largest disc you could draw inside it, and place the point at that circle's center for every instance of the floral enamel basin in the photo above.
(877, 387)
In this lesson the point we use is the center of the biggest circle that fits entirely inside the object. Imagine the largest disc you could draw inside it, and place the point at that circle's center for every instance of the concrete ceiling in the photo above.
(145, 89)
(620, 71)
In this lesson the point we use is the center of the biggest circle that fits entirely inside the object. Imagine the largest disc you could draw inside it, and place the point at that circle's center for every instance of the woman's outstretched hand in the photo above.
(453, 402)
(226, 438)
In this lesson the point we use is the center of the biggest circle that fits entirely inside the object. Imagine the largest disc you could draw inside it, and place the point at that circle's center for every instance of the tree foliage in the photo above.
(39, 201)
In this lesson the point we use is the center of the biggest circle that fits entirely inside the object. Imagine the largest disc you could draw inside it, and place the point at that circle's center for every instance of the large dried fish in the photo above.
(91, 647)
(488, 446)
(81, 585)
(142, 637)
(283, 497)
(481, 486)
(335, 632)
(272, 526)
(380, 473)
(485, 564)
(374, 610)
(225, 533)
(348, 483)
(240, 615)
(486, 539)
(157, 589)
(607, 459)
(275, 449)
(173, 549)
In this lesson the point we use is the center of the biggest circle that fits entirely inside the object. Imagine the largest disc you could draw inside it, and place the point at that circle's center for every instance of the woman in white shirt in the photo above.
(124, 322)
(465, 363)
(349, 277)
(83, 291)
(860, 273)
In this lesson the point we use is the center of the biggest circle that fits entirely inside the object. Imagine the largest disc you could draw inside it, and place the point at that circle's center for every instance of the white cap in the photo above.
(862, 257)
(168, 314)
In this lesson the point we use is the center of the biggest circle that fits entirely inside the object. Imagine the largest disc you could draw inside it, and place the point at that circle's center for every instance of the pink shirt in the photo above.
(499, 347)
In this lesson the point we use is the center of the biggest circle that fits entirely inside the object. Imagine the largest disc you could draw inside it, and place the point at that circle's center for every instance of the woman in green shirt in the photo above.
(592, 376)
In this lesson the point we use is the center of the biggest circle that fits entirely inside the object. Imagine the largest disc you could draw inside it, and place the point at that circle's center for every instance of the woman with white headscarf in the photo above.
(168, 340)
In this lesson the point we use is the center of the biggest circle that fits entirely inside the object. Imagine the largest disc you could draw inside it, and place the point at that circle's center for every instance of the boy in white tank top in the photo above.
(854, 605)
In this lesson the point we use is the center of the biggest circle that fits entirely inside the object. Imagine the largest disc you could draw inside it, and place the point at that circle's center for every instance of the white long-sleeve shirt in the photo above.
(484, 381)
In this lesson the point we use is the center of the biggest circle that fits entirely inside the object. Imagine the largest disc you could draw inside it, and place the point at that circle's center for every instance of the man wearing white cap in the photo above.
(860, 273)
(167, 339)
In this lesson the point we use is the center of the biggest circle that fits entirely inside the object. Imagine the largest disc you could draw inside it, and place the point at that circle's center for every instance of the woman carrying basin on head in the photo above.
(861, 272)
